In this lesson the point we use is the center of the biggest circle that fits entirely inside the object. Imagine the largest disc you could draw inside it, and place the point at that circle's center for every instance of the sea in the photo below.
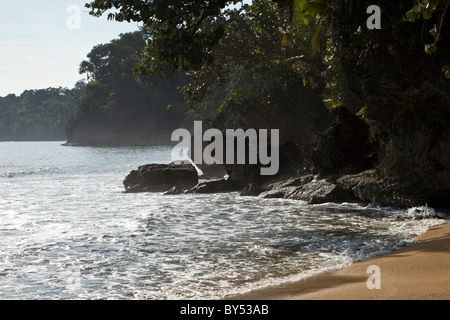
(67, 231)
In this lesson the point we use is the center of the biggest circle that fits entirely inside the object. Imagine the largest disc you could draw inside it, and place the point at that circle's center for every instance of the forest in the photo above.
(281, 64)
(119, 107)
(286, 64)
(38, 115)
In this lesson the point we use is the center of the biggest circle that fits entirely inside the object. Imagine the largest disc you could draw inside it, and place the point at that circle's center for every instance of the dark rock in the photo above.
(290, 181)
(278, 193)
(252, 190)
(212, 171)
(291, 156)
(161, 177)
(134, 189)
(173, 191)
(370, 187)
(308, 189)
(416, 155)
(322, 191)
(215, 186)
(414, 166)
(291, 164)
(278, 187)
(243, 174)
(344, 146)
(367, 187)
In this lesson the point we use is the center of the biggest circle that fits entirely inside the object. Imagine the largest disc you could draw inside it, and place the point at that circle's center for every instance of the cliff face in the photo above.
(407, 101)
(399, 155)
(297, 120)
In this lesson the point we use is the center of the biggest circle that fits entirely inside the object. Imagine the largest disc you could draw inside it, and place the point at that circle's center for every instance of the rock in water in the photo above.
(312, 192)
(215, 186)
(161, 178)
(252, 189)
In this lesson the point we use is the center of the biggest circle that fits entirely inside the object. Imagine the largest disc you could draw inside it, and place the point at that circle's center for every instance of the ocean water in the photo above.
(68, 232)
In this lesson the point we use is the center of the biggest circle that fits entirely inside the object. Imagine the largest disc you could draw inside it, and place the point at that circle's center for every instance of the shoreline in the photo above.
(420, 271)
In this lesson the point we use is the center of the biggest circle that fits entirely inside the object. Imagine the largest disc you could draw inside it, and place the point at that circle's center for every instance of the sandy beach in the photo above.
(417, 272)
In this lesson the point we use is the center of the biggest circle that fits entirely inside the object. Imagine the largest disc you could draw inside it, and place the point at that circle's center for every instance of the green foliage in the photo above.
(176, 37)
(305, 10)
(266, 72)
(182, 34)
(38, 114)
(423, 8)
(446, 70)
(267, 55)
(261, 52)
(426, 9)
(120, 104)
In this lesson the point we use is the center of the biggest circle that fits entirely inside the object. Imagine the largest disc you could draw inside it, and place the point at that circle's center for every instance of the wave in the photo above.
(40, 171)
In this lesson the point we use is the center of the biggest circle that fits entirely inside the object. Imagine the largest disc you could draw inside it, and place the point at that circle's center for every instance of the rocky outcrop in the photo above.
(406, 100)
(215, 186)
(212, 171)
(369, 187)
(307, 173)
(345, 147)
(408, 167)
(310, 173)
(416, 155)
(161, 178)
(313, 192)
(253, 189)
(413, 170)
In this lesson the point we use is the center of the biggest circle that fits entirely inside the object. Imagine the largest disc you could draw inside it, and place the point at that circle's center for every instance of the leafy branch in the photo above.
(425, 9)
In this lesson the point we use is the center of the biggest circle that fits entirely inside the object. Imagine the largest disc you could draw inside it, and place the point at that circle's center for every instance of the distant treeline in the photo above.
(115, 106)
(38, 115)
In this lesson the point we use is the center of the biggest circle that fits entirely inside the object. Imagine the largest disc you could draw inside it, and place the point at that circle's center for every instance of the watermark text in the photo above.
(237, 147)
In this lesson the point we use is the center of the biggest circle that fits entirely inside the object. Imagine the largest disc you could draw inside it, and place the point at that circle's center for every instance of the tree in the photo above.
(121, 107)
(176, 37)
(37, 114)
(265, 73)
(373, 67)
(233, 53)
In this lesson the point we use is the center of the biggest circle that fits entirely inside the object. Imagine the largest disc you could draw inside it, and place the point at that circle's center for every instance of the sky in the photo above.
(42, 42)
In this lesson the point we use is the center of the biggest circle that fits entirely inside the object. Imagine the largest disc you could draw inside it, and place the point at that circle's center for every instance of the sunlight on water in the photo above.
(67, 231)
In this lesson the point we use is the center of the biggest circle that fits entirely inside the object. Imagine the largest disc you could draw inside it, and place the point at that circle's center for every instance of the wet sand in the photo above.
(417, 272)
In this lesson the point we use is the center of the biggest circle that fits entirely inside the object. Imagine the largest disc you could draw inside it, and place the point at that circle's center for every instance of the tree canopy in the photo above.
(177, 37)
(326, 42)
(182, 34)
(119, 106)
(38, 114)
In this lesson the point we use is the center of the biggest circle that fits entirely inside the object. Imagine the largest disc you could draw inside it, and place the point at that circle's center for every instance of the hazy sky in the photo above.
(42, 42)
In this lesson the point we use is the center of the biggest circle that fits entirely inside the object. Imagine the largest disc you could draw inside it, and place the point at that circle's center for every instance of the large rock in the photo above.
(291, 164)
(416, 156)
(309, 189)
(344, 147)
(322, 191)
(212, 171)
(371, 187)
(215, 186)
(161, 178)
(252, 190)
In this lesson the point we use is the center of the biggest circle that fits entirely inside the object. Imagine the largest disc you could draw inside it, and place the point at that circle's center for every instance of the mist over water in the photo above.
(67, 231)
